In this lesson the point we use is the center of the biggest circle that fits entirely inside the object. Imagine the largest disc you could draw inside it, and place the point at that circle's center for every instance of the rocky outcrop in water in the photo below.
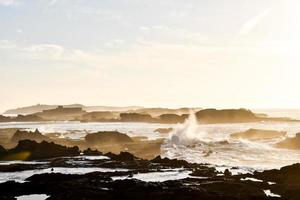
(172, 118)
(21, 118)
(91, 152)
(107, 138)
(286, 181)
(4, 118)
(204, 182)
(258, 134)
(24, 135)
(163, 130)
(290, 143)
(31, 150)
(136, 117)
(226, 116)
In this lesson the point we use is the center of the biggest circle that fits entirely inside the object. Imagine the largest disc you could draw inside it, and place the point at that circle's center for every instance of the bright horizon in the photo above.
(150, 53)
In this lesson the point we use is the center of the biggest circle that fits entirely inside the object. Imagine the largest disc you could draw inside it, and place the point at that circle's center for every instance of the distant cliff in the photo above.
(36, 108)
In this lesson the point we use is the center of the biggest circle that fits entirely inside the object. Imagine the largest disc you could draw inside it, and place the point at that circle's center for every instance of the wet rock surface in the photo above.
(203, 181)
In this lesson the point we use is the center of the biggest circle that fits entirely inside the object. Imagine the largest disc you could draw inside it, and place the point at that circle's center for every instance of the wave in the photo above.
(188, 133)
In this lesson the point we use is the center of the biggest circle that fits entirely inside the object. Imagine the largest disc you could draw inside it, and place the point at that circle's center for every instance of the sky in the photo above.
(167, 53)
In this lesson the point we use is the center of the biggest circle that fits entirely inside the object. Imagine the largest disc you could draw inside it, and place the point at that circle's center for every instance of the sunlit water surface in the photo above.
(197, 143)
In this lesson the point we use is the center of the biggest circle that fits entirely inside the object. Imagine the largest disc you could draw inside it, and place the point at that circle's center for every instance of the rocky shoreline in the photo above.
(124, 176)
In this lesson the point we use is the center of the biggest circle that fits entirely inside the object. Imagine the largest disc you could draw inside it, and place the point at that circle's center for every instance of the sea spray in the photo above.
(188, 133)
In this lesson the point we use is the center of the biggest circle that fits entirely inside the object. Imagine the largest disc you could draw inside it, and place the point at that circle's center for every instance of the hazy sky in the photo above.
(206, 53)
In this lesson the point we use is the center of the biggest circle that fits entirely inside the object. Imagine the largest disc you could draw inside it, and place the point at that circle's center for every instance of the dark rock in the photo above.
(170, 162)
(17, 167)
(90, 152)
(100, 186)
(123, 156)
(258, 134)
(31, 150)
(2, 149)
(204, 172)
(107, 137)
(287, 181)
(227, 173)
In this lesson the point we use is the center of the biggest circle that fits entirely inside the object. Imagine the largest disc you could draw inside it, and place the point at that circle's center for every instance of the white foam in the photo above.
(251, 179)
(270, 194)
(95, 157)
(211, 143)
(22, 162)
(22, 175)
(158, 176)
(187, 133)
(33, 197)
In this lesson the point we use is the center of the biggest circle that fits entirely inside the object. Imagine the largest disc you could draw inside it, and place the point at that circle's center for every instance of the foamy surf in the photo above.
(205, 144)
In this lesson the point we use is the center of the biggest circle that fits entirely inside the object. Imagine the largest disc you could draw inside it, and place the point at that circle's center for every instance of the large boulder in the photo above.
(24, 135)
(226, 116)
(172, 118)
(135, 117)
(290, 143)
(31, 150)
(107, 137)
(258, 134)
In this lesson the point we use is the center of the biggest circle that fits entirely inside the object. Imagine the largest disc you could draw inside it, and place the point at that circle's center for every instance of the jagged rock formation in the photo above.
(24, 135)
(204, 182)
(31, 150)
(91, 152)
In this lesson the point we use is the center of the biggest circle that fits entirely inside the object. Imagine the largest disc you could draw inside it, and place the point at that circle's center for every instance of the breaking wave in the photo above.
(212, 144)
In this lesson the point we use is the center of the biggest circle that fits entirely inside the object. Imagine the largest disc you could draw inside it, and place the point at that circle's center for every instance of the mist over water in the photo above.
(201, 143)
(212, 144)
(187, 133)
